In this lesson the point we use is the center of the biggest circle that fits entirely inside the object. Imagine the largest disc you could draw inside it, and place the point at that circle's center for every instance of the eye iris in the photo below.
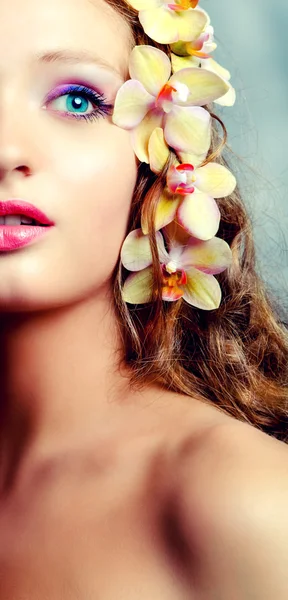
(76, 102)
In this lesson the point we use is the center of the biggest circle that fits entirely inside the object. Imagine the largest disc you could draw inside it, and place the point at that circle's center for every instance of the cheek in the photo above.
(94, 156)
(96, 177)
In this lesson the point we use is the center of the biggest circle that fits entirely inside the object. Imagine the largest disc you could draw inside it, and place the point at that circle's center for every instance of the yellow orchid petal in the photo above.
(228, 99)
(166, 26)
(138, 287)
(194, 159)
(202, 291)
(211, 257)
(131, 105)
(215, 180)
(151, 67)
(136, 252)
(188, 129)
(183, 62)
(165, 211)
(166, 22)
(190, 24)
(199, 214)
(211, 65)
(158, 151)
(187, 62)
(160, 24)
(202, 86)
(140, 136)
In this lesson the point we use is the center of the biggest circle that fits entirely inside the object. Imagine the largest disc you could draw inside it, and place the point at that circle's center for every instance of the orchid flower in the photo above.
(189, 198)
(201, 47)
(209, 64)
(152, 99)
(167, 22)
(187, 271)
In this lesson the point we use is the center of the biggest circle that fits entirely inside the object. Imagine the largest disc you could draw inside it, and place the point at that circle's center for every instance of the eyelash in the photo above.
(103, 107)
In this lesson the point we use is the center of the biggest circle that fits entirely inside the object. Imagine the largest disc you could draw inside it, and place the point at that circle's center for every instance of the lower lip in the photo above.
(14, 237)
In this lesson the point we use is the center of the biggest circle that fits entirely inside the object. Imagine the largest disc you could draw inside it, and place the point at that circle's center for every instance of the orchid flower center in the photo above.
(170, 94)
(171, 267)
(203, 46)
(183, 4)
(181, 179)
(173, 277)
(186, 180)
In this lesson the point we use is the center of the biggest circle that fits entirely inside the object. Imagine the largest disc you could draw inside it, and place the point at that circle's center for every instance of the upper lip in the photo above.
(20, 207)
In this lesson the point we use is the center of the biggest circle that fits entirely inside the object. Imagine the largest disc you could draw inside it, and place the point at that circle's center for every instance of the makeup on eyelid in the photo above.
(96, 78)
(102, 107)
(97, 84)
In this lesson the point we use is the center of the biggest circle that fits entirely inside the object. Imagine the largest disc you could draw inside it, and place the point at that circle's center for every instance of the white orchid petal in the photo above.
(211, 257)
(176, 252)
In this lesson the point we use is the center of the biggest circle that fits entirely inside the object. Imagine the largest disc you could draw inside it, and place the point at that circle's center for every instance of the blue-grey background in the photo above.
(252, 45)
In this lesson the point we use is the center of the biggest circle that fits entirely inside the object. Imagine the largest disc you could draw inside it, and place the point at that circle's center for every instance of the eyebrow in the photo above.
(69, 57)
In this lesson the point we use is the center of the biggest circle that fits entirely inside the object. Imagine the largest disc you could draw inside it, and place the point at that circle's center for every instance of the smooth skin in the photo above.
(105, 492)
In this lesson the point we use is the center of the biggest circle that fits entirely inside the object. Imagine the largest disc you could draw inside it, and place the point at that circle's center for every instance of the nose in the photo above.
(16, 135)
(24, 169)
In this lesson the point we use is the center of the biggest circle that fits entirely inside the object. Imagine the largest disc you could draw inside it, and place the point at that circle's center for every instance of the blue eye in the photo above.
(74, 100)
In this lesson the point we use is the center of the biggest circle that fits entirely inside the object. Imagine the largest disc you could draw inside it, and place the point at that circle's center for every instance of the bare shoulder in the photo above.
(233, 507)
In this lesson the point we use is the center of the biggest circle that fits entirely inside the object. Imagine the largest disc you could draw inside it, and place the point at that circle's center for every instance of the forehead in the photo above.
(32, 26)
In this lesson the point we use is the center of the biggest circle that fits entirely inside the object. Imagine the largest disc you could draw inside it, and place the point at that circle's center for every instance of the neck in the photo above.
(59, 373)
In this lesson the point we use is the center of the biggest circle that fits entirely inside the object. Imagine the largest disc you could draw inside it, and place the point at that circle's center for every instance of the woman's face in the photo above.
(79, 171)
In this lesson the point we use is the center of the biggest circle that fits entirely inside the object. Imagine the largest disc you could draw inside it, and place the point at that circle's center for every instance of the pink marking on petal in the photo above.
(176, 7)
(196, 48)
(184, 190)
(183, 279)
(173, 179)
(172, 294)
(165, 95)
(183, 5)
(198, 44)
(185, 167)
(174, 183)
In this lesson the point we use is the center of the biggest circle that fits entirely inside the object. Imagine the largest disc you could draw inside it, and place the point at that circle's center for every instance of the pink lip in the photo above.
(19, 207)
(13, 237)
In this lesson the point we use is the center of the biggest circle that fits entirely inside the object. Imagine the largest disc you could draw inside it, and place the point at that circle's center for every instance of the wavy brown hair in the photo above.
(234, 357)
